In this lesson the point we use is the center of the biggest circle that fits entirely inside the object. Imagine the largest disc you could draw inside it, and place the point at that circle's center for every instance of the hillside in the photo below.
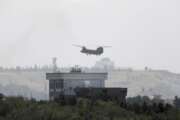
(23, 83)
(154, 82)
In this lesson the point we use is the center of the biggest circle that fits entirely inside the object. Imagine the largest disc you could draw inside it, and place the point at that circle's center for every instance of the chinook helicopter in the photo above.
(98, 51)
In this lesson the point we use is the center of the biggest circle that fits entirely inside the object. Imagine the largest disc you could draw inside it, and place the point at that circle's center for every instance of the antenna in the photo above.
(54, 60)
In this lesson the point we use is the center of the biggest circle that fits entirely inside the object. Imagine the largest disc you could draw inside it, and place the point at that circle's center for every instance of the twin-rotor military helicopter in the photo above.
(98, 51)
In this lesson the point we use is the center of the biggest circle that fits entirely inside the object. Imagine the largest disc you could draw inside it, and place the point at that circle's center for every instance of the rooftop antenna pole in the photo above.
(54, 62)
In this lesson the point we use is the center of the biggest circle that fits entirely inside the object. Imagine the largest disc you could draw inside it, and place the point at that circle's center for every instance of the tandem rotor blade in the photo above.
(78, 45)
(106, 46)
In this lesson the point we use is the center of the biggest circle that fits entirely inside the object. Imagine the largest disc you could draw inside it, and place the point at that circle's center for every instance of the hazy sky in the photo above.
(141, 32)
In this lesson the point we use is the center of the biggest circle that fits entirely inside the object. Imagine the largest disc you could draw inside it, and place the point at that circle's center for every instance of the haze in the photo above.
(141, 32)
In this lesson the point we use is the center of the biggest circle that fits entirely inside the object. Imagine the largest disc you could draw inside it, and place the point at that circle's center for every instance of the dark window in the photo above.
(59, 84)
(51, 84)
(51, 94)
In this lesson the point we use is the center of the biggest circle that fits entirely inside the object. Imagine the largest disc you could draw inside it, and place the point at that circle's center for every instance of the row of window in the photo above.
(56, 84)
(59, 84)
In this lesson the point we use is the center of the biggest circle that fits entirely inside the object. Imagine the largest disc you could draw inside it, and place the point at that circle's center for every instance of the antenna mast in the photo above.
(54, 62)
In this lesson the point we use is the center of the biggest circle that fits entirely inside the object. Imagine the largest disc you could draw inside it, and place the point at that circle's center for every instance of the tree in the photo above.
(1, 96)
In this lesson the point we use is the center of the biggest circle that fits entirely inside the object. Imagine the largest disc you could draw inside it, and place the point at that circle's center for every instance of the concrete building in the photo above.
(65, 83)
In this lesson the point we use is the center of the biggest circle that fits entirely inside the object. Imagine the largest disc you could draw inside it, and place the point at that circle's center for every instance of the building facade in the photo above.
(65, 83)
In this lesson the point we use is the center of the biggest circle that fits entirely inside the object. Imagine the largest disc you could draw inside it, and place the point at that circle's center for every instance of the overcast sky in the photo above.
(141, 32)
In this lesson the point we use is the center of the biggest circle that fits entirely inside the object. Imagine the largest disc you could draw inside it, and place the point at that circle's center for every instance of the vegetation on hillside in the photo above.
(137, 108)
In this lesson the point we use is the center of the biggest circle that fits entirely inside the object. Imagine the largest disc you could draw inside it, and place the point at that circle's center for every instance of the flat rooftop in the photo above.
(77, 76)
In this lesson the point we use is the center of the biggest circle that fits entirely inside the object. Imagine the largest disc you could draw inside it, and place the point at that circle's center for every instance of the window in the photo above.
(59, 84)
(51, 84)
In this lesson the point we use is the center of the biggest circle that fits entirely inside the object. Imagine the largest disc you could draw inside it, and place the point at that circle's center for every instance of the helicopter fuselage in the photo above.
(98, 51)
